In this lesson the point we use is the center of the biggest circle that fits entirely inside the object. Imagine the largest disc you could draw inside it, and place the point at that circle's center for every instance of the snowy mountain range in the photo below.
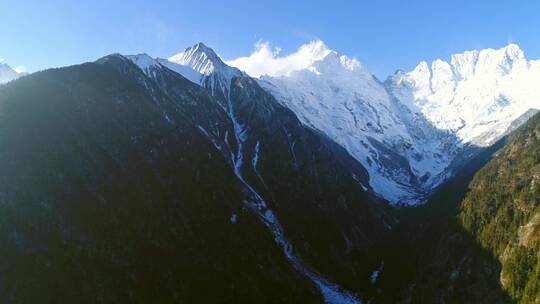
(476, 95)
(409, 131)
(194, 179)
(8, 74)
(338, 96)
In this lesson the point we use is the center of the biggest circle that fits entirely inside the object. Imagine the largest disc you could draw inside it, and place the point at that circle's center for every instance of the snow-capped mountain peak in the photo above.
(265, 60)
(336, 95)
(477, 95)
(197, 63)
(409, 131)
(421, 119)
(333, 63)
(315, 50)
(488, 61)
(200, 63)
(201, 58)
(8, 74)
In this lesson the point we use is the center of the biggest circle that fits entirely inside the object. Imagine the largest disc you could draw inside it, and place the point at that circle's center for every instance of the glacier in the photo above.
(404, 155)
(409, 131)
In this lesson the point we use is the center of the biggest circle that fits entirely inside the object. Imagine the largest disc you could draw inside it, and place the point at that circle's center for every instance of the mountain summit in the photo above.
(337, 95)
(201, 58)
(205, 61)
(8, 74)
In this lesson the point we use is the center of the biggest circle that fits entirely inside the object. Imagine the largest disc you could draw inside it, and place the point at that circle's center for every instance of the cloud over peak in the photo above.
(20, 69)
(266, 60)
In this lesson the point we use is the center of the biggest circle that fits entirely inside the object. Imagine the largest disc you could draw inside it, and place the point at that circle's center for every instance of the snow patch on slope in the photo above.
(146, 63)
(186, 71)
(331, 293)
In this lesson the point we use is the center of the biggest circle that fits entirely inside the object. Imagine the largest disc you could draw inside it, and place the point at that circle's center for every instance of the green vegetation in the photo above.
(110, 194)
(431, 259)
(478, 239)
(522, 275)
(501, 211)
(102, 200)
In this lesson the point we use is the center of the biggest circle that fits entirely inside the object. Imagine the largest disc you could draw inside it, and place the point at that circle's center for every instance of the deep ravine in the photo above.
(332, 293)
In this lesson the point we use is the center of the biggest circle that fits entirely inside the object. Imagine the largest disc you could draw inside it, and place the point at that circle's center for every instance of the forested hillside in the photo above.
(501, 211)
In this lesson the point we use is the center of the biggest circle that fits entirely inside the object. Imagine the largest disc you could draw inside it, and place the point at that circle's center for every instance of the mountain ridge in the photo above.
(171, 185)
(381, 124)
(177, 174)
(258, 118)
(429, 143)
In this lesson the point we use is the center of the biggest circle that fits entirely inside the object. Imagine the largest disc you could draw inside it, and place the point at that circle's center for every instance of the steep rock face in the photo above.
(111, 194)
(302, 178)
(123, 180)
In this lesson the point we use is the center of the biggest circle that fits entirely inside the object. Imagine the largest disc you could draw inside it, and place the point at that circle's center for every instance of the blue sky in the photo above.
(383, 35)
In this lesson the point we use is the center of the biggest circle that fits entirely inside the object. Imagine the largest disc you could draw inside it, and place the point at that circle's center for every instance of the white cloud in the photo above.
(20, 69)
(265, 60)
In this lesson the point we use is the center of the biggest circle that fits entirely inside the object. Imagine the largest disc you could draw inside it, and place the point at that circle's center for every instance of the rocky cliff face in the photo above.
(275, 155)
(125, 181)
